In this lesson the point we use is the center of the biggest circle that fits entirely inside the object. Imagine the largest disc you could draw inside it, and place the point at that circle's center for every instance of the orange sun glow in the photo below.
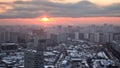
(45, 19)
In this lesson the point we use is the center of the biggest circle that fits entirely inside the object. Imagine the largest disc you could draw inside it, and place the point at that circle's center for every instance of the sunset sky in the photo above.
(73, 12)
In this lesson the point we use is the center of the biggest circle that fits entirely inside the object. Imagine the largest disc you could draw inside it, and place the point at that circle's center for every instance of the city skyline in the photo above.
(59, 33)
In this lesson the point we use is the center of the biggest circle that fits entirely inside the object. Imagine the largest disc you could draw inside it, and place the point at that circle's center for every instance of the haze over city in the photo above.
(59, 33)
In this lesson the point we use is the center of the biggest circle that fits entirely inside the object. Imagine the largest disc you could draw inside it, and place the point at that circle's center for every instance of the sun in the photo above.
(45, 19)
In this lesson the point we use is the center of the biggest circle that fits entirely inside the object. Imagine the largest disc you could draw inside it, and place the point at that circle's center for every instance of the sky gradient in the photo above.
(83, 12)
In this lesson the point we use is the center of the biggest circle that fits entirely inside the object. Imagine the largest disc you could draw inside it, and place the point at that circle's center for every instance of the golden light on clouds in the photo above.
(65, 1)
(98, 2)
(1, 11)
(7, 0)
(105, 2)
(12, 0)
(4, 8)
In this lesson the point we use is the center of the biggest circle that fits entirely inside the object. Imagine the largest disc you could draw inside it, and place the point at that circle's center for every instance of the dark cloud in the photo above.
(36, 8)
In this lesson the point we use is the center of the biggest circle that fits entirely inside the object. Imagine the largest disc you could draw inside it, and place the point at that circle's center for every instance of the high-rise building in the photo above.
(86, 36)
(116, 37)
(91, 37)
(76, 35)
(6, 36)
(34, 57)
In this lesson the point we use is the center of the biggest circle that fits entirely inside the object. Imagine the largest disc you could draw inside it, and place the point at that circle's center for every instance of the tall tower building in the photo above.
(76, 35)
(34, 57)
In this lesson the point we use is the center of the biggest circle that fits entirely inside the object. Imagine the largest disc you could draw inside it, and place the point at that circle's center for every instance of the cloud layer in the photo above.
(37, 8)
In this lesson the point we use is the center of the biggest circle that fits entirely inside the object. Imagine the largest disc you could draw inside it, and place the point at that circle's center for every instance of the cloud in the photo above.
(37, 8)
(4, 7)
(65, 1)
(105, 2)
